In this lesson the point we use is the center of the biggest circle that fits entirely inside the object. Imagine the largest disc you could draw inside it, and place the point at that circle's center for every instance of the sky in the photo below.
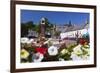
(58, 18)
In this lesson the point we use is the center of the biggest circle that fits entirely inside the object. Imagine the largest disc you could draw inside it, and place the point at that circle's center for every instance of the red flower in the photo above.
(41, 50)
(82, 41)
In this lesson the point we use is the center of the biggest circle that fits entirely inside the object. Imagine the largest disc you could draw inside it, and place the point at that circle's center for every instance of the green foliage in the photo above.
(70, 48)
(29, 25)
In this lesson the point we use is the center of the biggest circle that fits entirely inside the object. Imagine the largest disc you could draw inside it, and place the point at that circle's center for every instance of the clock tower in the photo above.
(42, 27)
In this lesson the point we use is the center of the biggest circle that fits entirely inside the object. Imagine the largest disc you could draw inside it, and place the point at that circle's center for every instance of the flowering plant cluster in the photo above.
(65, 53)
(32, 51)
(46, 50)
(82, 51)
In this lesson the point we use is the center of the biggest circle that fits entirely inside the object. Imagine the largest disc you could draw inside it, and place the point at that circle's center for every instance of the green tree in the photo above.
(48, 25)
(25, 27)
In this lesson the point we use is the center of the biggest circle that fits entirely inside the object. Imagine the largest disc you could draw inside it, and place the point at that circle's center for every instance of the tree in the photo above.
(24, 30)
(48, 24)
(25, 27)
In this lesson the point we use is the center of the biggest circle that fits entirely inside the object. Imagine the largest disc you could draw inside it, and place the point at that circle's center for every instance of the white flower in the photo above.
(77, 53)
(53, 50)
(24, 40)
(30, 41)
(75, 57)
(77, 50)
(61, 59)
(37, 57)
(77, 47)
(55, 42)
(24, 54)
(85, 57)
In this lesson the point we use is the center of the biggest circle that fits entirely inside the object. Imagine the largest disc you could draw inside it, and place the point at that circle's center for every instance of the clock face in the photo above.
(43, 22)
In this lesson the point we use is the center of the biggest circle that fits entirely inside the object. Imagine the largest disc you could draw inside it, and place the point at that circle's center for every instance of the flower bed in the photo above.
(32, 51)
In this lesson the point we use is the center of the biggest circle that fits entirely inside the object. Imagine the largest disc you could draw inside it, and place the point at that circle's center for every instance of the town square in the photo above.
(46, 40)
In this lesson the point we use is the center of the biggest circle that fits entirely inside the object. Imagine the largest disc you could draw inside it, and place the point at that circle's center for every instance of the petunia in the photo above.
(24, 54)
(24, 40)
(82, 41)
(37, 57)
(80, 53)
(75, 57)
(53, 50)
(41, 50)
(77, 50)
(85, 57)
(30, 41)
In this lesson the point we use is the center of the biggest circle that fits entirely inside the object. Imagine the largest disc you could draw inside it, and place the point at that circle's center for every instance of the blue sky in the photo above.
(54, 17)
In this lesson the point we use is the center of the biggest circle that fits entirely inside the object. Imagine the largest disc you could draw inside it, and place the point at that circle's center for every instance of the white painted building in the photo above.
(73, 34)
(32, 33)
